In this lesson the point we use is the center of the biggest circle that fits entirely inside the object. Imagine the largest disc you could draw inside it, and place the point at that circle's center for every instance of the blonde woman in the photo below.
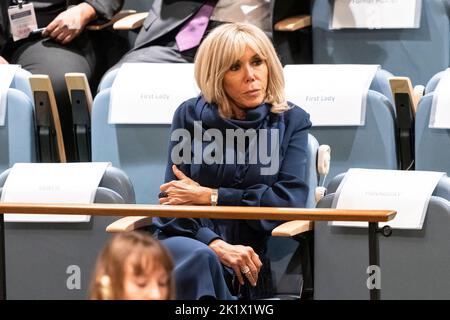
(133, 266)
(218, 155)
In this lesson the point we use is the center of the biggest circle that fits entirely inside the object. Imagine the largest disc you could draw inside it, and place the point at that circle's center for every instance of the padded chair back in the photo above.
(372, 146)
(18, 135)
(434, 81)
(415, 53)
(414, 263)
(108, 79)
(41, 258)
(139, 150)
(432, 146)
(21, 82)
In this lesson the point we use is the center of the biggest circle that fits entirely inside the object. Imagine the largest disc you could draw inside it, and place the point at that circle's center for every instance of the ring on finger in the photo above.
(245, 269)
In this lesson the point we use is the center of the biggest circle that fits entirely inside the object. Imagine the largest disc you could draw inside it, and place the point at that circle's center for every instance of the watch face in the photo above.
(214, 197)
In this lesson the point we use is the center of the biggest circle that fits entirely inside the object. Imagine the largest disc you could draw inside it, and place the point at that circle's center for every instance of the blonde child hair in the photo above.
(141, 252)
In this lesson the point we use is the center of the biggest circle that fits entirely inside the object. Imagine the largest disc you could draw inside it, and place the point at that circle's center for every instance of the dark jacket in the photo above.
(166, 15)
(242, 184)
(105, 10)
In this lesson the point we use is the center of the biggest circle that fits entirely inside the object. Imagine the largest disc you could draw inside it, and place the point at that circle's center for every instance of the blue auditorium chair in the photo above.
(372, 146)
(414, 263)
(139, 150)
(17, 135)
(414, 53)
(433, 82)
(38, 255)
(432, 145)
(21, 82)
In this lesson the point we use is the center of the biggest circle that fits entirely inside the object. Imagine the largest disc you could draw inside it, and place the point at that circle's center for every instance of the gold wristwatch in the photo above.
(214, 196)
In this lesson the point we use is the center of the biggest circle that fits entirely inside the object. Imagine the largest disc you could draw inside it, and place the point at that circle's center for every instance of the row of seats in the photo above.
(381, 130)
(348, 143)
(427, 252)
(331, 46)
(374, 145)
(138, 151)
(421, 255)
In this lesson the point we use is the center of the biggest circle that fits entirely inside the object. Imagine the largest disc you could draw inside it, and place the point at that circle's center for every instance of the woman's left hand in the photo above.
(69, 24)
(184, 191)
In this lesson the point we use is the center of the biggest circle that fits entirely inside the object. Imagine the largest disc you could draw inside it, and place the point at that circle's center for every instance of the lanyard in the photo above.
(19, 3)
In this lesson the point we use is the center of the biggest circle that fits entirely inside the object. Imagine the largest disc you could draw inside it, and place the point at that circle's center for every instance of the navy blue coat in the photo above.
(198, 271)
(242, 184)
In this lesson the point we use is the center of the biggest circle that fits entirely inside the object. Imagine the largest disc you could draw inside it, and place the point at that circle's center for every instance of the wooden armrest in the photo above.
(403, 85)
(79, 82)
(120, 15)
(131, 22)
(42, 84)
(129, 224)
(292, 228)
(293, 23)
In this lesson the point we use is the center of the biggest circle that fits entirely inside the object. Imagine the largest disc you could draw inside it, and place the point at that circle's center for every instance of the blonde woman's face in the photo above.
(152, 285)
(245, 82)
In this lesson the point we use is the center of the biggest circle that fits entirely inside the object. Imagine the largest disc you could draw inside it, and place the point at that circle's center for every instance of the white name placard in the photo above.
(52, 183)
(440, 109)
(149, 93)
(376, 14)
(334, 95)
(407, 192)
(7, 73)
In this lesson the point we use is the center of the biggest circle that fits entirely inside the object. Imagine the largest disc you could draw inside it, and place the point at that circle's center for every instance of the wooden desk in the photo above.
(373, 217)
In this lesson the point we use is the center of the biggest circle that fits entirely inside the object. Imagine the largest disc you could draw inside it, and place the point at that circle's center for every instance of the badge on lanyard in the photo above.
(22, 20)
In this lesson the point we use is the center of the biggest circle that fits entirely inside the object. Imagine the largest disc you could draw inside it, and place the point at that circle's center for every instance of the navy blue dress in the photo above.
(198, 271)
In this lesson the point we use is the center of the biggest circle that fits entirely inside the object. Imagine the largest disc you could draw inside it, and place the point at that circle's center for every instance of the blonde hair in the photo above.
(221, 49)
(108, 279)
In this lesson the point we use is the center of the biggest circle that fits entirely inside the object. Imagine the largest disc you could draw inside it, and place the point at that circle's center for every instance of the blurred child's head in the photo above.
(133, 265)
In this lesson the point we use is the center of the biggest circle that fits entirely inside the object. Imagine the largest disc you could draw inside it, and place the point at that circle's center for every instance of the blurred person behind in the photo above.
(164, 37)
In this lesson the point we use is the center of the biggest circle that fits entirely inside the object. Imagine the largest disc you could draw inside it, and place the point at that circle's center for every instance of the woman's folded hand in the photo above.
(184, 191)
(182, 177)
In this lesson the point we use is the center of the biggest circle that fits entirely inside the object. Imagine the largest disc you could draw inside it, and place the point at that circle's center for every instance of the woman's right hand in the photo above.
(238, 257)
(3, 61)
(182, 177)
